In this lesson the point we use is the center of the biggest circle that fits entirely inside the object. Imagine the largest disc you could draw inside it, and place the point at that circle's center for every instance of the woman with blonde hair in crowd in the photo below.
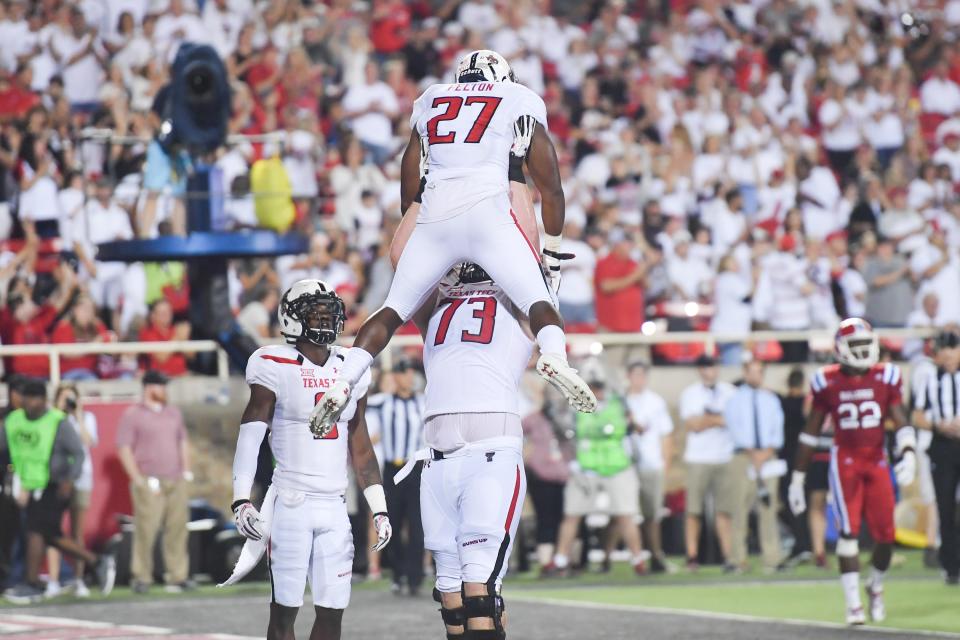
(67, 399)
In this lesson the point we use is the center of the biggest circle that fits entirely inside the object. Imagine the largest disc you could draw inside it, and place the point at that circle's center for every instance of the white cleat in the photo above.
(856, 617)
(325, 415)
(555, 370)
(878, 611)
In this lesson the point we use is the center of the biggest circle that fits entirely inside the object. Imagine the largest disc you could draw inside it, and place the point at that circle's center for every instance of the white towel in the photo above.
(253, 549)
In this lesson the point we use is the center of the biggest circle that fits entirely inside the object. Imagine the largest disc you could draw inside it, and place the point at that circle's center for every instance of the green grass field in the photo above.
(916, 597)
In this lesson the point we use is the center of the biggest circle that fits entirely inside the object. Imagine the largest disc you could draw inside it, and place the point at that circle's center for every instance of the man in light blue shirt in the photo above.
(754, 418)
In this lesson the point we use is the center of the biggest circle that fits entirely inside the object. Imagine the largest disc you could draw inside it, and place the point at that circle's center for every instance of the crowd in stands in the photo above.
(780, 164)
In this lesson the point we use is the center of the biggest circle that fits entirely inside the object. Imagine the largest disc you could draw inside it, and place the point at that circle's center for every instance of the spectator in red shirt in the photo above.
(160, 328)
(618, 281)
(82, 325)
(390, 27)
(32, 324)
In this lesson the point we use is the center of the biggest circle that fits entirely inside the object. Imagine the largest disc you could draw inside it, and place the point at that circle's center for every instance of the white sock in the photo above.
(552, 340)
(876, 579)
(354, 364)
(561, 561)
(637, 559)
(851, 589)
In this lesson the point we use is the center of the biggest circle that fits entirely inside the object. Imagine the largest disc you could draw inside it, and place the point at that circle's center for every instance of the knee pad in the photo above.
(451, 617)
(848, 548)
(488, 606)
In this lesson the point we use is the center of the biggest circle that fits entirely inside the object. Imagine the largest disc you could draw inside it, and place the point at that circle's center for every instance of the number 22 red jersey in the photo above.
(858, 405)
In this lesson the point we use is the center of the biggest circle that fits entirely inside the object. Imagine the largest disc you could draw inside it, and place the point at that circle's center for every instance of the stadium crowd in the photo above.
(780, 164)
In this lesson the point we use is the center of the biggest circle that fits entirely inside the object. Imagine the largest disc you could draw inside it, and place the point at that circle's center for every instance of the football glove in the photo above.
(796, 493)
(384, 531)
(551, 265)
(522, 135)
(248, 520)
(906, 468)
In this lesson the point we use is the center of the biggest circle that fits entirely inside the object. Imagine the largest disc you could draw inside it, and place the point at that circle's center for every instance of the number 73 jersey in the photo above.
(858, 405)
(475, 352)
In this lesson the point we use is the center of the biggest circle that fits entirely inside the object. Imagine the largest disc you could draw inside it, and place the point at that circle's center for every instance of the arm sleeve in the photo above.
(262, 372)
(245, 459)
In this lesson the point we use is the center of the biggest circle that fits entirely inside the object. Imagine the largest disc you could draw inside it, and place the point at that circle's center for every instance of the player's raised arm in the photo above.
(367, 468)
(253, 426)
(410, 171)
(796, 495)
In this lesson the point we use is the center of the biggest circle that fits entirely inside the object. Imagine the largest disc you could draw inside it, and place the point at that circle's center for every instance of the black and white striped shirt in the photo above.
(401, 425)
(938, 395)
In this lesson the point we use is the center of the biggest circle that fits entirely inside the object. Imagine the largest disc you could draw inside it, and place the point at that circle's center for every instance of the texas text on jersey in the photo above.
(304, 462)
(462, 378)
(858, 405)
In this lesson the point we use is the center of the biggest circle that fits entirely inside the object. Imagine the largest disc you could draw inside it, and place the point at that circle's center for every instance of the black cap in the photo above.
(948, 339)
(402, 366)
(33, 388)
(155, 377)
(706, 361)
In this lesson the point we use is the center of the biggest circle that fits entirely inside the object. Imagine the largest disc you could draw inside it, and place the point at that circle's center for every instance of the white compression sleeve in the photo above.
(376, 498)
(245, 459)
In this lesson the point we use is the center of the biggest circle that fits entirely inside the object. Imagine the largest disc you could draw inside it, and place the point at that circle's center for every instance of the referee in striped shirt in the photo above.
(937, 407)
(401, 430)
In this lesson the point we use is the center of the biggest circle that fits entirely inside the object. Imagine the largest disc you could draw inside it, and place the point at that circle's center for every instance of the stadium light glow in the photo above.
(691, 309)
(596, 348)
(648, 328)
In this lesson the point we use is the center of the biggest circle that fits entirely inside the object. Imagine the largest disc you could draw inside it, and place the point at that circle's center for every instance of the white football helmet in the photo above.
(856, 345)
(308, 298)
(484, 66)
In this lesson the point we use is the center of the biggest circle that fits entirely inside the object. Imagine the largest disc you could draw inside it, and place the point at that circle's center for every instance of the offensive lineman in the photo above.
(305, 523)
(859, 394)
(473, 483)
(468, 129)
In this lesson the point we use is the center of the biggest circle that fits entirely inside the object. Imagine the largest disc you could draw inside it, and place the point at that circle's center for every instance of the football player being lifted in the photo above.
(467, 129)
(476, 349)
(860, 395)
(303, 518)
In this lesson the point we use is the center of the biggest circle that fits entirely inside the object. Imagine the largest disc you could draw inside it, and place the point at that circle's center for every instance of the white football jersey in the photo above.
(468, 132)
(475, 352)
(304, 462)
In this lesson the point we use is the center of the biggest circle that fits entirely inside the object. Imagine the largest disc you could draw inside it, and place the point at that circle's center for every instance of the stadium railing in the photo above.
(585, 344)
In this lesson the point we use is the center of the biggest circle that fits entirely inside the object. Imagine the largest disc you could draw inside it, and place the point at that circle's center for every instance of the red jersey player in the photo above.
(859, 394)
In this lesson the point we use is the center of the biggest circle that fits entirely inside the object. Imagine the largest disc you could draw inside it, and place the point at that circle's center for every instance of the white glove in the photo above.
(384, 531)
(551, 265)
(906, 469)
(796, 493)
(248, 520)
(522, 135)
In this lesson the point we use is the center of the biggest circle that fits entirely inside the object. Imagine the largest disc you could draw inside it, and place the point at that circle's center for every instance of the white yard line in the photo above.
(733, 617)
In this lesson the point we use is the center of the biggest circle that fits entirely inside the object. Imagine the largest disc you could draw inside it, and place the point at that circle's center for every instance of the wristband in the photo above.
(809, 439)
(798, 477)
(238, 503)
(906, 439)
(551, 243)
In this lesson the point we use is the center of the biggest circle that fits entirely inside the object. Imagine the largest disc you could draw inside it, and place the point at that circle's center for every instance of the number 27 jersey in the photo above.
(858, 404)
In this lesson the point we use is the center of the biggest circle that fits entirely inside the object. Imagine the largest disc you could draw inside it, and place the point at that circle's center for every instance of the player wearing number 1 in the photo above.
(303, 520)
(468, 129)
(859, 394)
